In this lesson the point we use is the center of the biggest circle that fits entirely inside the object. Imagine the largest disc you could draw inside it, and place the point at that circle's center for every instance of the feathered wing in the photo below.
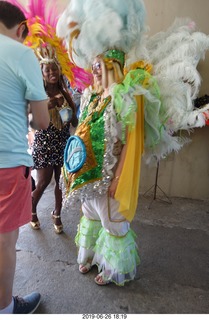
(175, 55)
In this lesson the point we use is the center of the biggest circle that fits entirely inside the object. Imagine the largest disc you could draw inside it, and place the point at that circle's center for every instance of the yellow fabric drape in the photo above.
(128, 185)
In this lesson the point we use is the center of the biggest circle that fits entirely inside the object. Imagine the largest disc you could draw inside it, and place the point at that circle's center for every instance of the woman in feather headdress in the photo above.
(110, 136)
(125, 104)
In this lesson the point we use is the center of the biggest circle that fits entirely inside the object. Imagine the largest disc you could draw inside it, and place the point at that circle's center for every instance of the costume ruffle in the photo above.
(86, 237)
(87, 233)
(159, 140)
(116, 257)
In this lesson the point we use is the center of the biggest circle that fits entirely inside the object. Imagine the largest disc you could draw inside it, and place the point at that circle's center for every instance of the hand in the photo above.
(56, 101)
(112, 188)
(52, 103)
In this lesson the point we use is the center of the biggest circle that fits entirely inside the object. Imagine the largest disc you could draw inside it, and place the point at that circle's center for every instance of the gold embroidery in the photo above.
(83, 131)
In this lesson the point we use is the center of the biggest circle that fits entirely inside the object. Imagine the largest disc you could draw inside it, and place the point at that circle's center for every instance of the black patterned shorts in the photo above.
(48, 146)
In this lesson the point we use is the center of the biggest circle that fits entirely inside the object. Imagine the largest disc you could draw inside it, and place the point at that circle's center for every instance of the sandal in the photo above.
(100, 279)
(35, 225)
(84, 268)
(58, 228)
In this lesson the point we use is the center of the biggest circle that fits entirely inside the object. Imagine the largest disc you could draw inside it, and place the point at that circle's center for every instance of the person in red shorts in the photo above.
(20, 84)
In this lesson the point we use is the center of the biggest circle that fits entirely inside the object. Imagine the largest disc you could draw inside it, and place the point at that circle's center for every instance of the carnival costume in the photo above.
(114, 31)
(48, 146)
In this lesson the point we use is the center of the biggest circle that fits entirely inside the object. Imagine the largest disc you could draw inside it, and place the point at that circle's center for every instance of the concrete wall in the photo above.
(161, 14)
(185, 174)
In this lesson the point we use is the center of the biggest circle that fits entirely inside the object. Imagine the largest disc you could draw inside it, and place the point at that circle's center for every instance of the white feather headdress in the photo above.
(92, 27)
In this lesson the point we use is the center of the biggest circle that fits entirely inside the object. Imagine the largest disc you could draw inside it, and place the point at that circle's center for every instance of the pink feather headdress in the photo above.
(42, 20)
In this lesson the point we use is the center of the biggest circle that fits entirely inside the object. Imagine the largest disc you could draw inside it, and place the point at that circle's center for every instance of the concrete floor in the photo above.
(173, 241)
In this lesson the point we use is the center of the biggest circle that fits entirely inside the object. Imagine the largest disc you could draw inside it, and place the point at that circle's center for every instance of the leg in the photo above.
(57, 191)
(56, 214)
(15, 192)
(87, 235)
(115, 250)
(44, 177)
(8, 303)
(7, 266)
(33, 184)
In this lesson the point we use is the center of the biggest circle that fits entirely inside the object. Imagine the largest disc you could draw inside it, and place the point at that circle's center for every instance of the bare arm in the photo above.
(40, 114)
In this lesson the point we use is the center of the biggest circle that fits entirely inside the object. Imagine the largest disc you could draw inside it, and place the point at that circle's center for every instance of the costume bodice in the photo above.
(97, 129)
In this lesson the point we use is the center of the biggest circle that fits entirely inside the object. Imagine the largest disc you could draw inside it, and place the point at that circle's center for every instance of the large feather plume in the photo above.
(91, 27)
(42, 16)
(40, 8)
(175, 55)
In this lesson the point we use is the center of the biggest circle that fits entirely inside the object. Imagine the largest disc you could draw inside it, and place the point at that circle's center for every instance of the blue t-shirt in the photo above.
(21, 81)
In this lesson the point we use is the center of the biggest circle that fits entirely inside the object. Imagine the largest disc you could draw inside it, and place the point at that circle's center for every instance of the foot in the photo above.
(84, 268)
(34, 223)
(57, 223)
(100, 279)
(27, 304)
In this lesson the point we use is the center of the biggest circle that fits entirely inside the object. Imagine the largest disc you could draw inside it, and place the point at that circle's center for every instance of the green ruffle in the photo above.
(87, 234)
(140, 82)
(119, 252)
